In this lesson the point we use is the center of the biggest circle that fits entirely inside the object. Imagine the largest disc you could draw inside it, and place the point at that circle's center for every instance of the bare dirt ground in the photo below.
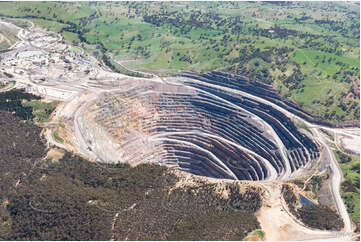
(79, 90)
(349, 142)
(324, 195)
(55, 154)
(278, 224)
(3, 38)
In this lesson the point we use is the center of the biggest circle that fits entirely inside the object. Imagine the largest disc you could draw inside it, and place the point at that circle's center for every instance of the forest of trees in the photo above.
(12, 102)
(74, 199)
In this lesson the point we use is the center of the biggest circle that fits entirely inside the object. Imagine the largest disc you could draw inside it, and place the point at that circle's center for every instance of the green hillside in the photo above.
(309, 51)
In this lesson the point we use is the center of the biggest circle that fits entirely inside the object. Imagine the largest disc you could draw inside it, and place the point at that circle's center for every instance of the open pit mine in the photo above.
(199, 124)
(213, 125)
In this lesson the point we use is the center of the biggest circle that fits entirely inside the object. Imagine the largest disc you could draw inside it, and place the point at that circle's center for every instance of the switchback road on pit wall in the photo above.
(336, 171)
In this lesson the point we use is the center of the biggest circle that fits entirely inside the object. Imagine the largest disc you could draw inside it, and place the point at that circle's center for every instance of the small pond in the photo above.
(305, 201)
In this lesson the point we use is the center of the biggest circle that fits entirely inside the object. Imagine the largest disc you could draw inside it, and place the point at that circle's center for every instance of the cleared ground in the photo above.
(52, 68)
(302, 49)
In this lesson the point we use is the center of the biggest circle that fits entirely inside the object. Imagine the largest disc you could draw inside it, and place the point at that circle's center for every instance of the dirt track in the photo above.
(80, 94)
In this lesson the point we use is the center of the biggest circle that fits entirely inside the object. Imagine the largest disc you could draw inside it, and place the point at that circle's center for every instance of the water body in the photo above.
(305, 201)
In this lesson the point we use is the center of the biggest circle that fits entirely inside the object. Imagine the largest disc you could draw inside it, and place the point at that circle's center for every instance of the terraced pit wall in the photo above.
(207, 131)
(267, 92)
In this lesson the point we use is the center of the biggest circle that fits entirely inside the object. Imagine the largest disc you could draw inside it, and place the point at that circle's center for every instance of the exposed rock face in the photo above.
(211, 125)
(207, 131)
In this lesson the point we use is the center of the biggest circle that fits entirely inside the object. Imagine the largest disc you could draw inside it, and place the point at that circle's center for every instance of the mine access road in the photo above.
(214, 125)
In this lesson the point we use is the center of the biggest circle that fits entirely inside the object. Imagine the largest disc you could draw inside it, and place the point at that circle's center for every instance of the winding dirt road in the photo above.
(337, 175)
(75, 111)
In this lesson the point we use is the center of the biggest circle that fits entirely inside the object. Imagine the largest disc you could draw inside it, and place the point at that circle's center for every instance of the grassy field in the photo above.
(309, 51)
(56, 137)
(41, 110)
(8, 37)
(350, 188)
(4, 45)
(256, 235)
(50, 25)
